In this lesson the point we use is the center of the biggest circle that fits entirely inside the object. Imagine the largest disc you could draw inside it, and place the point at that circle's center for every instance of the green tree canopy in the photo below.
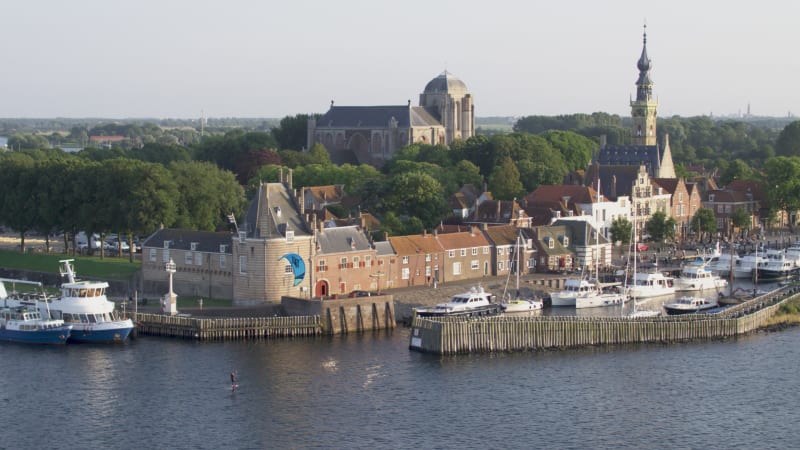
(704, 222)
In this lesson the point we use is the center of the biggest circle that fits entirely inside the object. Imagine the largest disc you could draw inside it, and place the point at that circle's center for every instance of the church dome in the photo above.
(445, 82)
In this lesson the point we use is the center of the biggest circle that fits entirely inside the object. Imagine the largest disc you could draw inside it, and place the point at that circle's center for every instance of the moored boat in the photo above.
(573, 288)
(26, 325)
(697, 278)
(651, 284)
(84, 305)
(475, 302)
(690, 305)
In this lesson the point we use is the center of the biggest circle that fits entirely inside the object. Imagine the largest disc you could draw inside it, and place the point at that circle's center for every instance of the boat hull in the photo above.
(599, 301)
(109, 333)
(489, 310)
(51, 336)
(520, 306)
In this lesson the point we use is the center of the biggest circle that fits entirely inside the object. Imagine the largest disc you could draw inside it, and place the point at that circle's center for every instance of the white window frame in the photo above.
(474, 251)
(405, 259)
(457, 268)
(153, 255)
(451, 253)
(188, 258)
(463, 252)
(242, 264)
(223, 261)
(165, 255)
(198, 258)
(474, 264)
(405, 274)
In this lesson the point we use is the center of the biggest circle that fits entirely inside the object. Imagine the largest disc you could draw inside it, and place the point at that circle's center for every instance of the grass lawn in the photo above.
(87, 266)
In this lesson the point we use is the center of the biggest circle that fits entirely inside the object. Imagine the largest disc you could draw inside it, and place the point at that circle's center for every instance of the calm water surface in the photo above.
(372, 392)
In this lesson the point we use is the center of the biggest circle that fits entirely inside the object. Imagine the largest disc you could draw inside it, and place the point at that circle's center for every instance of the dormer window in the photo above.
(551, 243)
(711, 197)
(566, 241)
(166, 244)
(193, 246)
(278, 211)
(289, 236)
(222, 248)
(242, 236)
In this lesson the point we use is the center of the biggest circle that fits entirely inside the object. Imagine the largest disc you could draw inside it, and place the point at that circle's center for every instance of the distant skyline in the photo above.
(182, 59)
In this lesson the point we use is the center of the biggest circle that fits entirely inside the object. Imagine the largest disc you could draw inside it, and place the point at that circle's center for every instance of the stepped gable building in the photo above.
(371, 134)
(644, 149)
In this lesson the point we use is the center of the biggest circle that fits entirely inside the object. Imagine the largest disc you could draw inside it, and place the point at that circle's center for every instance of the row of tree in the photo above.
(129, 197)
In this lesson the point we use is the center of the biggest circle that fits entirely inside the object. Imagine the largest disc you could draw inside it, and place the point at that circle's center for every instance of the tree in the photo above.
(576, 149)
(416, 194)
(741, 219)
(660, 227)
(783, 188)
(18, 209)
(504, 181)
(319, 154)
(788, 142)
(292, 132)
(206, 195)
(621, 230)
(704, 221)
(737, 170)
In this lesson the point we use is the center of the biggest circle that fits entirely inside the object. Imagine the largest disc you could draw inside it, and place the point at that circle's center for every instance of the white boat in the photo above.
(476, 302)
(605, 297)
(690, 305)
(698, 277)
(519, 304)
(573, 288)
(746, 265)
(26, 325)
(651, 284)
(778, 266)
(724, 263)
(84, 305)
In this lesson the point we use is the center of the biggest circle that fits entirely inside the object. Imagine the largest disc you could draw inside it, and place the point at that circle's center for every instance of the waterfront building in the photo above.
(503, 240)
(419, 258)
(467, 255)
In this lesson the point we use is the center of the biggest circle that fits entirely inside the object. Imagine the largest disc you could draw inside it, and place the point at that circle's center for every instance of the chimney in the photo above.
(485, 226)
(385, 236)
(302, 201)
(499, 207)
(424, 232)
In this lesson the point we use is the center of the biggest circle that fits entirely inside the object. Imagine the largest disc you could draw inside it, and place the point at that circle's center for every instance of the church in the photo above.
(371, 134)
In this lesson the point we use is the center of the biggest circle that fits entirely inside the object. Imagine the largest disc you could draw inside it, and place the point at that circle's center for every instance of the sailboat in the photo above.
(637, 313)
(518, 304)
(599, 297)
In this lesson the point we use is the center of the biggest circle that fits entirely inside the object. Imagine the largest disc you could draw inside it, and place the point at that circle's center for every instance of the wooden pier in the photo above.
(445, 336)
(227, 328)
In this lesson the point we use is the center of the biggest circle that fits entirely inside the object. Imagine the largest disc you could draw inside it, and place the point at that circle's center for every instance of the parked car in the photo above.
(640, 247)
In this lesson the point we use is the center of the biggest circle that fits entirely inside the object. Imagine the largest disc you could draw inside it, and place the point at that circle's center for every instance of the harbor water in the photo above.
(370, 391)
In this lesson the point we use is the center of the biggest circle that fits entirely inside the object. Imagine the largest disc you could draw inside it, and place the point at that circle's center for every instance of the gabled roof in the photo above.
(498, 211)
(669, 185)
(415, 244)
(377, 117)
(330, 194)
(755, 187)
(546, 234)
(555, 195)
(728, 196)
(631, 155)
(468, 239)
(272, 212)
(502, 234)
(206, 241)
(615, 181)
(342, 240)
(581, 232)
(384, 248)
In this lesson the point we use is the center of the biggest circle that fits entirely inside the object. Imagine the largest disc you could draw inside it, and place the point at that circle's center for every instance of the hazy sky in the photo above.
(265, 58)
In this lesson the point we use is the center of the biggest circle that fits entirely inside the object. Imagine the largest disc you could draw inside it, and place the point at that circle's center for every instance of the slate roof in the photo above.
(384, 248)
(342, 240)
(376, 117)
(272, 212)
(753, 186)
(207, 241)
(631, 155)
(579, 231)
(669, 185)
(503, 234)
(625, 177)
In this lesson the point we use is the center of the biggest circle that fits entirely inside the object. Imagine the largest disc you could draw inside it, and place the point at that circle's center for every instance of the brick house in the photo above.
(418, 259)
(467, 255)
(343, 261)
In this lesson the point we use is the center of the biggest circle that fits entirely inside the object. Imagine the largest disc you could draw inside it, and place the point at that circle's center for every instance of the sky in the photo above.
(266, 58)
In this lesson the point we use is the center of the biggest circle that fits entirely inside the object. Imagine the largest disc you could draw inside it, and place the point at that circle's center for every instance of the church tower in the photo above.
(643, 109)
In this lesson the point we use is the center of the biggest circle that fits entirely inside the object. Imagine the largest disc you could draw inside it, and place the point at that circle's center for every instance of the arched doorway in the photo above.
(321, 290)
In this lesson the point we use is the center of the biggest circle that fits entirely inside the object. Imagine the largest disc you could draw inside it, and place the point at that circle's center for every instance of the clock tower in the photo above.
(643, 109)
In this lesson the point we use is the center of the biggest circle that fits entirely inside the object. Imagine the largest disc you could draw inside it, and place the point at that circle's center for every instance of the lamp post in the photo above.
(169, 302)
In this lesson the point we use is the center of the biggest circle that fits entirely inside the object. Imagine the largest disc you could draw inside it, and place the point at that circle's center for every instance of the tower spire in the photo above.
(643, 109)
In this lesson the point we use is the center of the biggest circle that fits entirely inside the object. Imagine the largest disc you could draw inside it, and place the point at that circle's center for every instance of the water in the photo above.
(372, 392)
